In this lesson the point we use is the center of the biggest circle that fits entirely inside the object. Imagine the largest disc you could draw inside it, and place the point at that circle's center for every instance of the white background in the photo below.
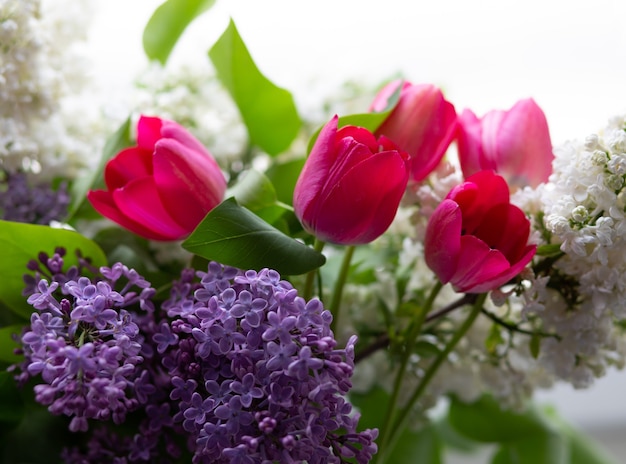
(568, 55)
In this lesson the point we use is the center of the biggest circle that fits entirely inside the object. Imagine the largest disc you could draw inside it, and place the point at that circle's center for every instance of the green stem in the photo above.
(411, 338)
(307, 291)
(434, 367)
(335, 303)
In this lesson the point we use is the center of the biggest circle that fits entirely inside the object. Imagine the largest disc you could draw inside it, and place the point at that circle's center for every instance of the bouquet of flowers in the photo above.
(308, 295)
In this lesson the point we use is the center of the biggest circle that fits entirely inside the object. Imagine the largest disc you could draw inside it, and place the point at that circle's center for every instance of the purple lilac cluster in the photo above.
(33, 204)
(256, 373)
(83, 342)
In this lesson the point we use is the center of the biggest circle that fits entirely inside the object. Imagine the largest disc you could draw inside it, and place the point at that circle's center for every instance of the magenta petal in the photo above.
(140, 201)
(361, 204)
(442, 241)
(508, 274)
(190, 182)
(102, 201)
(148, 132)
(127, 165)
(477, 263)
(314, 174)
(470, 147)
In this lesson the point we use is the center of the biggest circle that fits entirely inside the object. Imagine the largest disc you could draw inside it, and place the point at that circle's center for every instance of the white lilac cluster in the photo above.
(584, 205)
(563, 323)
(192, 96)
(40, 68)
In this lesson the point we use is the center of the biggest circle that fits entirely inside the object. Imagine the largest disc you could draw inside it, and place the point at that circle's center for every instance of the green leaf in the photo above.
(546, 447)
(485, 421)
(233, 235)
(8, 344)
(268, 111)
(11, 404)
(255, 192)
(22, 242)
(167, 24)
(284, 176)
(117, 142)
(582, 448)
(535, 345)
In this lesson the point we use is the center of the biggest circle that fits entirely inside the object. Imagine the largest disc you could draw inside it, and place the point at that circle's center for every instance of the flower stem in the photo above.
(335, 303)
(307, 292)
(434, 367)
(413, 332)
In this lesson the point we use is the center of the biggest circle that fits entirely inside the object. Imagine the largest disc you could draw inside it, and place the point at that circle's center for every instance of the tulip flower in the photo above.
(164, 186)
(351, 185)
(476, 239)
(422, 123)
(515, 143)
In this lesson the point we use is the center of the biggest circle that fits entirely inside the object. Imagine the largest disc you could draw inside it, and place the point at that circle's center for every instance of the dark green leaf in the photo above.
(22, 242)
(268, 111)
(486, 421)
(421, 446)
(11, 404)
(233, 235)
(168, 23)
(546, 447)
(117, 142)
(8, 344)
(255, 192)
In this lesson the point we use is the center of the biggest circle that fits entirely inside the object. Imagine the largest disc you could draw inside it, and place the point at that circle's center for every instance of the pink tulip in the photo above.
(422, 123)
(351, 185)
(514, 143)
(162, 188)
(476, 239)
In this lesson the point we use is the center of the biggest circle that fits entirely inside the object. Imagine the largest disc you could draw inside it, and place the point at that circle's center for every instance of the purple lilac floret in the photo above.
(256, 373)
(83, 341)
(34, 204)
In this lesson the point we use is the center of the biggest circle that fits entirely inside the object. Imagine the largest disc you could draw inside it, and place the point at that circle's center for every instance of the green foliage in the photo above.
(23, 242)
(7, 344)
(529, 437)
(255, 192)
(268, 111)
(233, 235)
(11, 404)
(117, 142)
(168, 23)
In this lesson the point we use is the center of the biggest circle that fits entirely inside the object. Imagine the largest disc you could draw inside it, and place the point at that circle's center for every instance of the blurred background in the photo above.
(567, 55)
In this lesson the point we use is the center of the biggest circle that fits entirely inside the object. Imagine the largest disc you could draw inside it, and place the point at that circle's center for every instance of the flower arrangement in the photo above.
(308, 296)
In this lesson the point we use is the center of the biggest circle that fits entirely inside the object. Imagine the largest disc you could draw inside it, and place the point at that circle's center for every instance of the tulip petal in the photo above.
(360, 206)
(103, 202)
(524, 151)
(478, 195)
(185, 176)
(129, 164)
(508, 274)
(442, 242)
(477, 263)
(470, 146)
(148, 132)
(314, 174)
(140, 201)
(506, 228)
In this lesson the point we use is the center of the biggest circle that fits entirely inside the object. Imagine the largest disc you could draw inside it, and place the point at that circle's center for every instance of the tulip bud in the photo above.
(164, 186)
(515, 143)
(351, 185)
(422, 123)
(476, 239)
